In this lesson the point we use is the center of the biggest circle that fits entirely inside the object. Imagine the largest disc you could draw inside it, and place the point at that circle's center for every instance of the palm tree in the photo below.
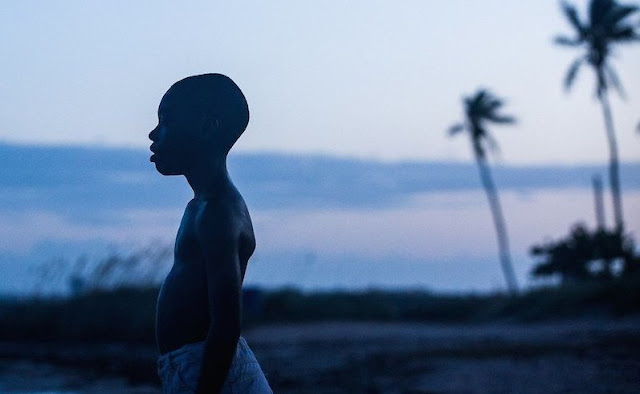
(607, 24)
(480, 109)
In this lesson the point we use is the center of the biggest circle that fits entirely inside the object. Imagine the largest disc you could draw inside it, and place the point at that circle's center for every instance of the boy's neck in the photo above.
(209, 178)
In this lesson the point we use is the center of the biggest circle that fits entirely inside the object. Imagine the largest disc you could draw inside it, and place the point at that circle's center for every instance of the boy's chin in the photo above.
(166, 171)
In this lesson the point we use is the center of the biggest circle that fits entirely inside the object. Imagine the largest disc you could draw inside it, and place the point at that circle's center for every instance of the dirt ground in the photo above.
(589, 356)
(586, 356)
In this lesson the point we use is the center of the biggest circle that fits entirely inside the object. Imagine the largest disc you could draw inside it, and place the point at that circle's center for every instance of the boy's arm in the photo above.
(218, 240)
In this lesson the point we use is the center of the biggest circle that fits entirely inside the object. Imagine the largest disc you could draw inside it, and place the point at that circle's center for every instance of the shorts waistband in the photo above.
(176, 355)
(190, 349)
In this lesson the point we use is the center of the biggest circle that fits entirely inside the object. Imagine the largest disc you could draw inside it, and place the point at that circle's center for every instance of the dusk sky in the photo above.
(374, 79)
(340, 92)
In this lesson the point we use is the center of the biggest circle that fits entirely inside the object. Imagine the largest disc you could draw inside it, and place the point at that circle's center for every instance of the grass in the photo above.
(127, 314)
(614, 298)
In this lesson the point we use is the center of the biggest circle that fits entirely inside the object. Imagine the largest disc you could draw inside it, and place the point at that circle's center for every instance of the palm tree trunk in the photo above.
(614, 174)
(597, 199)
(498, 221)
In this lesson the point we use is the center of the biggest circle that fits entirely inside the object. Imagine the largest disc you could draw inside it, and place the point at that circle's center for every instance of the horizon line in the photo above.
(321, 154)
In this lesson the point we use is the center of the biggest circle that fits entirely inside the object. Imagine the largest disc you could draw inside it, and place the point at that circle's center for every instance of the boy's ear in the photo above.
(210, 126)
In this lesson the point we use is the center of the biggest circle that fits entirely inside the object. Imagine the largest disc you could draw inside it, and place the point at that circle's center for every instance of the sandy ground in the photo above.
(580, 356)
(24, 376)
(587, 356)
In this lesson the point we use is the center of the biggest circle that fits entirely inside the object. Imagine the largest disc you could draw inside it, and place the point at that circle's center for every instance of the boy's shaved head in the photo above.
(213, 96)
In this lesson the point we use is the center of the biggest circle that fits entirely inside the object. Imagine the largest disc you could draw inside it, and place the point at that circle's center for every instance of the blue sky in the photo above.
(374, 79)
(321, 222)
(339, 92)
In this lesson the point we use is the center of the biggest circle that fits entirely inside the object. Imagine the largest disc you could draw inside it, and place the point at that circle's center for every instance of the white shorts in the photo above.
(179, 371)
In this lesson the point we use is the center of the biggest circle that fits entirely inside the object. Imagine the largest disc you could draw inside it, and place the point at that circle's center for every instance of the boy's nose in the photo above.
(152, 134)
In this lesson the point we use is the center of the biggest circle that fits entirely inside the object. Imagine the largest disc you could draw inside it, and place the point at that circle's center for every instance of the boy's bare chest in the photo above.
(187, 246)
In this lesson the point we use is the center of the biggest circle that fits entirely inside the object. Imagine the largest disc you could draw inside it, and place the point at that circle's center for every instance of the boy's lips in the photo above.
(153, 153)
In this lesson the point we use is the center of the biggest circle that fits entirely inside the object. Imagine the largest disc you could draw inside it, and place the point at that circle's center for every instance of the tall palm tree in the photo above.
(608, 24)
(480, 109)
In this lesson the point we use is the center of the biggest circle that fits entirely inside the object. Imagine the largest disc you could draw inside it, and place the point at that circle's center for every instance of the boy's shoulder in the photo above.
(221, 215)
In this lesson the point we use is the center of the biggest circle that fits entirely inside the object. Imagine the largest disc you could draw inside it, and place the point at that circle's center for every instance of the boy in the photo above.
(198, 310)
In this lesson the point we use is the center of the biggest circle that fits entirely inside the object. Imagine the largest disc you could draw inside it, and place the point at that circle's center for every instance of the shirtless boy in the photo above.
(198, 312)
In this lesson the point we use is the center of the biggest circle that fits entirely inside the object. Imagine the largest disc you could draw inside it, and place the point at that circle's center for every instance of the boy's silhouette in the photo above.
(198, 311)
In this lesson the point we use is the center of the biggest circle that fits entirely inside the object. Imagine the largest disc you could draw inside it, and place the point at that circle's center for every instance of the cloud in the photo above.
(86, 184)
(22, 231)
(358, 223)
